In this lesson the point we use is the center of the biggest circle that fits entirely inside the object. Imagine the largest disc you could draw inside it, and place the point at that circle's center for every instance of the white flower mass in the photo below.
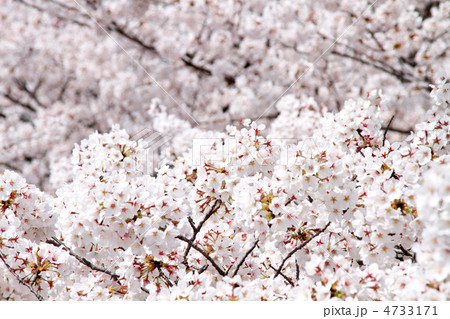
(224, 150)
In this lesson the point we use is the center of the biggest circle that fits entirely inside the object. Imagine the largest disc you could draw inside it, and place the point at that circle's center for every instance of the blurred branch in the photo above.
(64, 18)
(387, 128)
(18, 102)
(11, 167)
(31, 93)
(114, 27)
(385, 68)
(372, 35)
(397, 130)
(188, 61)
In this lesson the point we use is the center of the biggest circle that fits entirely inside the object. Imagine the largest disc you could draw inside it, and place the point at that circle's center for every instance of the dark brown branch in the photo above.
(201, 69)
(284, 276)
(196, 229)
(241, 262)
(387, 128)
(214, 209)
(201, 251)
(63, 90)
(56, 242)
(397, 130)
(164, 277)
(293, 251)
(290, 200)
(38, 296)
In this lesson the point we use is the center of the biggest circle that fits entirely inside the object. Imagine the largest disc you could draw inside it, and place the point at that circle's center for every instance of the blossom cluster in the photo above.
(335, 212)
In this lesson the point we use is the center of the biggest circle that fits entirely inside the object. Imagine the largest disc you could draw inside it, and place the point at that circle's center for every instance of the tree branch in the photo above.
(196, 229)
(189, 63)
(11, 167)
(298, 248)
(186, 59)
(114, 27)
(398, 130)
(31, 93)
(243, 258)
(38, 296)
(284, 276)
(387, 128)
(18, 102)
(201, 251)
(64, 18)
(372, 34)
(62, 92)
(398, 74)
(56, 242)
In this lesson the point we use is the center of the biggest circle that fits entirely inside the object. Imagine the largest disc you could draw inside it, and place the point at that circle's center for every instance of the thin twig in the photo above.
(387, 128)
(62, 92)
(191, 64)
(284, 276)
(38, 296)
(11, 167)
(64, 18)
(31, 93)
(196, 229)
(388, 69)
(398, 130)
(372, 34)
(122, 32)
(201, 251)
(185, 59)
(298, 248)
(18, 102)
(56, 242)
(243, 258)
(165, 278)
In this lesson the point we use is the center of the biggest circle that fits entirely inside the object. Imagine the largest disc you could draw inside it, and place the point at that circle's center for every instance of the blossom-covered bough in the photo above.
(340, 213)
(64, 73)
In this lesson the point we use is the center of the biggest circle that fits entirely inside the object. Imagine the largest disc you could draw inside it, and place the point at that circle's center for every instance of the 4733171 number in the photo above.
(411, 310)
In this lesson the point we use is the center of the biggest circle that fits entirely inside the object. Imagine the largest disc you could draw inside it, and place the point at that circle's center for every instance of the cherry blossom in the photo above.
(317, 199)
